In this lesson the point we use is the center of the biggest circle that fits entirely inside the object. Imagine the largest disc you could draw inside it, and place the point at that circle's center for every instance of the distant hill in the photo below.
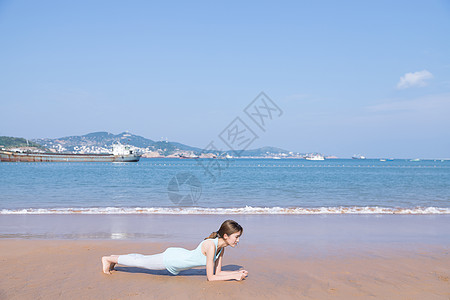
(15, 142)
(97, 139)
(101, 142)
(264, 151)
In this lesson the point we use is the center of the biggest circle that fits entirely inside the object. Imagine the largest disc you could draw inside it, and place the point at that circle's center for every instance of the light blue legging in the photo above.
(152, 262)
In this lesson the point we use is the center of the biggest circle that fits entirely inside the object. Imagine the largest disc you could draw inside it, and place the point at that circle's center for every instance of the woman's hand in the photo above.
(241, 275)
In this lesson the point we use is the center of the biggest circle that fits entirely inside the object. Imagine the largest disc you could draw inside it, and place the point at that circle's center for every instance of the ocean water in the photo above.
(238, 186)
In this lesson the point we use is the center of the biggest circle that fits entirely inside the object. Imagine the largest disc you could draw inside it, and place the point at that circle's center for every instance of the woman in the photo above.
(208, 253)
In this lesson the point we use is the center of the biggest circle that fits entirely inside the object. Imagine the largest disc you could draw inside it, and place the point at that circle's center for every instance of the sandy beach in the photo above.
(282, 264)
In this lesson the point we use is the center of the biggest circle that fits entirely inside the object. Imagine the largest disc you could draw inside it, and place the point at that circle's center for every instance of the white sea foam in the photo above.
(248, 210)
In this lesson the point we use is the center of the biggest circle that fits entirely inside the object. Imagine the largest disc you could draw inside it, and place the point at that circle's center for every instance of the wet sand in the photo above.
(333, 262)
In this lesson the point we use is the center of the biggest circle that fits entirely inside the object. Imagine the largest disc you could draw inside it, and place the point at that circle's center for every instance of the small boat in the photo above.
(227, 156)
(415, 159)
(315, 157)
(386, 159)
(188, 157)
(358, 156)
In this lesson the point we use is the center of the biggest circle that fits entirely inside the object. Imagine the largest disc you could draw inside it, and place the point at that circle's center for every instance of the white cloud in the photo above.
(414, 79)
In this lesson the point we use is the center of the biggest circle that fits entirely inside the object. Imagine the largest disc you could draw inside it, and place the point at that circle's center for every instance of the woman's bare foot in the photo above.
(106, 265)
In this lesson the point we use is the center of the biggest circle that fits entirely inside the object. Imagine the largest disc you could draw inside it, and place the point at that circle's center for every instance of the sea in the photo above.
(227, 186)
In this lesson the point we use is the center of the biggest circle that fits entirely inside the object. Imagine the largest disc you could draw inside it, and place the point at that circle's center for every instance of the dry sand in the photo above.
(71, 269)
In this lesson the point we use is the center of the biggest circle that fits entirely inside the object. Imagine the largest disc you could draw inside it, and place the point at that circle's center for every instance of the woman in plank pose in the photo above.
(208, 253)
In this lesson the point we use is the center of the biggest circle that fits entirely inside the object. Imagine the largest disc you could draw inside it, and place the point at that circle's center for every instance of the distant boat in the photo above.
(314, 157)
(386, 159)
(227, 156)
(276, 157)
(415, 159)
(358, 156)
(188, 157)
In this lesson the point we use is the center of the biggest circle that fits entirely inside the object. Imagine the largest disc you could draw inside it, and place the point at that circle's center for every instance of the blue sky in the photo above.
(350, 76)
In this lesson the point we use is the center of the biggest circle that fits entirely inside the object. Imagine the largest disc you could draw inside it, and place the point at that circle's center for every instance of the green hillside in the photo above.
(14, 142)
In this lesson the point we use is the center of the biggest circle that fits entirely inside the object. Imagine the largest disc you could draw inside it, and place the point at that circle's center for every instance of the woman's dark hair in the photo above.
(228, 227)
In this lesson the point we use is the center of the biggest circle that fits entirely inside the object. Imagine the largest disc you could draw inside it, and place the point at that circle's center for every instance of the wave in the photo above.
(247, 210)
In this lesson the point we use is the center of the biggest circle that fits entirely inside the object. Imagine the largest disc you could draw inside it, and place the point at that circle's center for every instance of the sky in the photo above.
(349, 77)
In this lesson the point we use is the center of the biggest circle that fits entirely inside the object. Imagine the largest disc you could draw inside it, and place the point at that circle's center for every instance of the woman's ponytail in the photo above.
(213, 235)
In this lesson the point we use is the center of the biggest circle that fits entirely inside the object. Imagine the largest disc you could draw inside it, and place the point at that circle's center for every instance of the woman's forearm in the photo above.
(227, 272)
(221, 276)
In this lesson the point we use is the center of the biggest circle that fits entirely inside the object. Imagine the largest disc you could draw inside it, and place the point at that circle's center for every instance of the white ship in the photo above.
(314, 157)
(121, 153)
